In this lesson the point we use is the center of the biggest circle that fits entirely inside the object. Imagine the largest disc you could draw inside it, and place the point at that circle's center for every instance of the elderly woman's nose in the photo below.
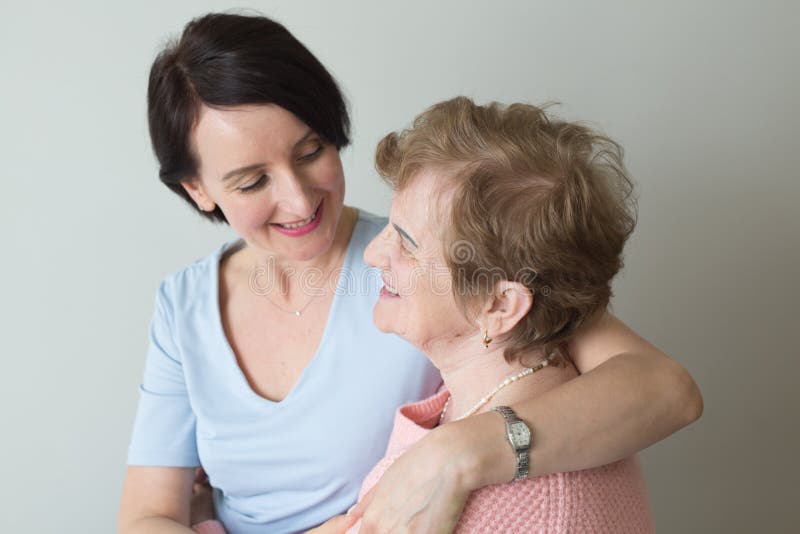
(375, 253)
(371, 256)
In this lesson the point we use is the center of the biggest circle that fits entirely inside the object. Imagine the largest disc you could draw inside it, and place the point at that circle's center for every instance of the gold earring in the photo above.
(486, 339)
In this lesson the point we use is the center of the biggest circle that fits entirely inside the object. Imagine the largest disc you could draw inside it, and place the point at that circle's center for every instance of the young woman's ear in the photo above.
(509, 303)
(198, 193)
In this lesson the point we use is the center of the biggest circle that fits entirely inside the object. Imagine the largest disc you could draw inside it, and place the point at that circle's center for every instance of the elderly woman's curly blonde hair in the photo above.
(533, 199)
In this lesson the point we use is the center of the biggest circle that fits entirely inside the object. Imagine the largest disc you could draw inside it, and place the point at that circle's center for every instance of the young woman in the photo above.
(264, 365)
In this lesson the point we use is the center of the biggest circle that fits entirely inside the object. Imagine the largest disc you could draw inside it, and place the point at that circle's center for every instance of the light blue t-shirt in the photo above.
(276, 466)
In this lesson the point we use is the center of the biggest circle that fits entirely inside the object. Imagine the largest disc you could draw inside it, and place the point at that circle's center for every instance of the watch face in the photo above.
(520, 435)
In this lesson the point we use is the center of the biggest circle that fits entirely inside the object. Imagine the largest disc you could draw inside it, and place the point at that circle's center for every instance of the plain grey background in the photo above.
(701, 94)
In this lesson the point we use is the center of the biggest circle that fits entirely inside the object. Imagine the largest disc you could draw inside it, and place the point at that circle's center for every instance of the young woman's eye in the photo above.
(313, 154)
(255, 186)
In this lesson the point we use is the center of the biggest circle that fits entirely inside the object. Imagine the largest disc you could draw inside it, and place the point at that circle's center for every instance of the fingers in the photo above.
(341, 523)
(381, 514)
(200, 476)
(363, 503)
(199, 489)
(335, 525)
(432, 508)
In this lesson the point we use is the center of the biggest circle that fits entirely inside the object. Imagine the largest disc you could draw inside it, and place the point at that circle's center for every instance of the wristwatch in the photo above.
(519, 436)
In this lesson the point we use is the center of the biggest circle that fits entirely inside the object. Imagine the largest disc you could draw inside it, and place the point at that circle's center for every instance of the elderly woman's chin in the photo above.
(401, 324)
(384, 321)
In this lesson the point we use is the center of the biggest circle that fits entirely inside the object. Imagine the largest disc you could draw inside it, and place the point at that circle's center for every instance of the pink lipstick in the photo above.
(302, 230)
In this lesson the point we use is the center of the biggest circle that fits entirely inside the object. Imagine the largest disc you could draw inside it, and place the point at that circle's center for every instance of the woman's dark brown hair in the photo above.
(225, 60)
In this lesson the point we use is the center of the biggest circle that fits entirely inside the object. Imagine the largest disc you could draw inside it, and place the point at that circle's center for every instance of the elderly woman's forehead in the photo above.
(416, 203)
(425, 189)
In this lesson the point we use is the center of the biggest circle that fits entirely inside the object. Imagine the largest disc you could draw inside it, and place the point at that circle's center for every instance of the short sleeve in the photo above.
(164, 429)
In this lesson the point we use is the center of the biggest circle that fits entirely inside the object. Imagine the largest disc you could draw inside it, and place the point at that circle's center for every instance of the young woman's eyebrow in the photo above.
(404, 235)
(254, 166)
(300, 141)
(241, 170)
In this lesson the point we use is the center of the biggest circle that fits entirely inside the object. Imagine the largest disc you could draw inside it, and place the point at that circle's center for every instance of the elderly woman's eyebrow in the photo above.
(404, 235)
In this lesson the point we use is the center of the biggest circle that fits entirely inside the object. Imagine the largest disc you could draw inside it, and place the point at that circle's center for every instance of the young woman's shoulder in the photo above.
(371, 218)
(367, 227)
(198, 279)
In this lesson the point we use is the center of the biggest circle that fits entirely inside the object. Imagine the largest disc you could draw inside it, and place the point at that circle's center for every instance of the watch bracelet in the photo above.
(523, 457)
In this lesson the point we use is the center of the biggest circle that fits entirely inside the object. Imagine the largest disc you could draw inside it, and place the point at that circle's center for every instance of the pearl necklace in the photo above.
(510, 380)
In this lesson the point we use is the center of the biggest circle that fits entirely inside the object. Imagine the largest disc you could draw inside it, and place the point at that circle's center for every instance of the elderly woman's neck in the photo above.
(471, 375)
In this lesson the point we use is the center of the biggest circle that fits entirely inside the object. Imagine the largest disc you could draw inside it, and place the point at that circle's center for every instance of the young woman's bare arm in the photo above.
(156, 500)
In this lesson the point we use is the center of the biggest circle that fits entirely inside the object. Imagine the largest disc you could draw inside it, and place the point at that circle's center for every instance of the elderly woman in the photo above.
(264, 367)
(506, 230)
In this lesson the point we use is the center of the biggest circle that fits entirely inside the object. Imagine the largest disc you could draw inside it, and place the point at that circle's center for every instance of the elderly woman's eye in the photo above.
(256, 185)
(405, 250)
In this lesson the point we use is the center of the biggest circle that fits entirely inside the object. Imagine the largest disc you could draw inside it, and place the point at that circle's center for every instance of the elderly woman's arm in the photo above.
(629, 396)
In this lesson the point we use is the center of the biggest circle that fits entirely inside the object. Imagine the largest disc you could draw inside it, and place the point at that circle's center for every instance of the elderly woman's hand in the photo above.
(335, 525)
(425, 489)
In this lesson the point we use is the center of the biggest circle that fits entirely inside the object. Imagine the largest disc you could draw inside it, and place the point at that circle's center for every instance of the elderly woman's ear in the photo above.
(506, 306)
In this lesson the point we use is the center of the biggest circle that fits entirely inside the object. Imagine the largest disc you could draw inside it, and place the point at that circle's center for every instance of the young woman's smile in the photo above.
(300, 228)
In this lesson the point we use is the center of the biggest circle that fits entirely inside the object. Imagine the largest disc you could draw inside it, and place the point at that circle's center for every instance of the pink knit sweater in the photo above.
(608, 499)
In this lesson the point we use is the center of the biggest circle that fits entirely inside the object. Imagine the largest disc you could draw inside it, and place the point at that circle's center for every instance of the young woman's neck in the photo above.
(290, 276)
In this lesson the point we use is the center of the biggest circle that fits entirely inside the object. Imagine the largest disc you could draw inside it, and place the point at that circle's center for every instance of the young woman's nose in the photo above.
(293, 196)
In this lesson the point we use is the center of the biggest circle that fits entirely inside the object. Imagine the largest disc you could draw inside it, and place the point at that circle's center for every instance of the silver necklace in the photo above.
(299, 312)
(509, 380)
